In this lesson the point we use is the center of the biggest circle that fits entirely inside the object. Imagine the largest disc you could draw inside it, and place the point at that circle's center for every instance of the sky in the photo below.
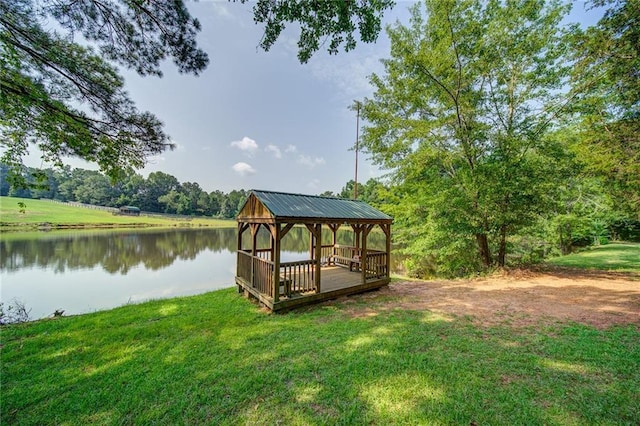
(262, 120)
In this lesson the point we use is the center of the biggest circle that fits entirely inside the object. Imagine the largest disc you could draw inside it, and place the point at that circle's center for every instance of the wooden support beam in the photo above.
(363, 255)
(386, 228)
(334, 239)
(318, 255)
(241, 228)
(286, 229)
(276, 264)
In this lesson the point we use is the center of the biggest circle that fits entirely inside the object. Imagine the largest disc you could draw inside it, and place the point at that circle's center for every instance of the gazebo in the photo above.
(332, 270)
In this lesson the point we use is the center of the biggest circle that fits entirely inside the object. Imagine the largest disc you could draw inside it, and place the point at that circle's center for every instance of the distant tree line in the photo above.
(158, 193)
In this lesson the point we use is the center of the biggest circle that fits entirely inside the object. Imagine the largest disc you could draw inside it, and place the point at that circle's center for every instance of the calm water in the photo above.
(86, 271)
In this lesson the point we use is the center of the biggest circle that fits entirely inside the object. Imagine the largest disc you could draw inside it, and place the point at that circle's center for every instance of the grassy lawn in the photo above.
(217, 359)
(61, 215)
(623, 257)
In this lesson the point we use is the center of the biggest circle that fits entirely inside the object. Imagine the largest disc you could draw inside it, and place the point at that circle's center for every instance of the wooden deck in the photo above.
(335, 281)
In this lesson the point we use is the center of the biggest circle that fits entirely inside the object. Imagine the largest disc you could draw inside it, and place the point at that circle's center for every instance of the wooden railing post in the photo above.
(318, 237)
(275, 234)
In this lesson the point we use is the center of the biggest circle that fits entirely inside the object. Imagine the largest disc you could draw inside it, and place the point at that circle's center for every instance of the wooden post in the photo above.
(311, 246)
(318, 236)
(334, 240)
(363, 255)
(255, 227)
(276, 262)
(241, 229)
(387, 231)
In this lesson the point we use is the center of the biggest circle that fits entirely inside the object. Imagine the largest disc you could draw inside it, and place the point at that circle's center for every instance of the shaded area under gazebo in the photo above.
(332, 270)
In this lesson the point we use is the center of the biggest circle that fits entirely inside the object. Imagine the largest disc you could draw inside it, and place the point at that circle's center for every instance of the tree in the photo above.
(174, 202)
(68, 99)
(607, 76)
(460, 118)
(157, 185)
(334, 20)
(96, 190)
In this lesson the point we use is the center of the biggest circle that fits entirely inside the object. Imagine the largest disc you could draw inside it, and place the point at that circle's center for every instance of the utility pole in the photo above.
(355, 186)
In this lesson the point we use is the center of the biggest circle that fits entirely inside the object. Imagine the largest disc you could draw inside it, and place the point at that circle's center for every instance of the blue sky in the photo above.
(262, 120)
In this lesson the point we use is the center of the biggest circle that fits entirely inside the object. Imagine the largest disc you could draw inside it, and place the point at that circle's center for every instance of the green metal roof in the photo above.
(284, 205)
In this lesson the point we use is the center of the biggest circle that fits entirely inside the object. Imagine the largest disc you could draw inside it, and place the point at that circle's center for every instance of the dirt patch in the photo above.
(519, 298)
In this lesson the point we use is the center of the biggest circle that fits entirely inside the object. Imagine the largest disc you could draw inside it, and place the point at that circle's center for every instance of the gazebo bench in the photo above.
(352, 262)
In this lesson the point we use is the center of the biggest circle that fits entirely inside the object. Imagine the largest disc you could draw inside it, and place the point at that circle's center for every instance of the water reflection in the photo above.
(83, 271)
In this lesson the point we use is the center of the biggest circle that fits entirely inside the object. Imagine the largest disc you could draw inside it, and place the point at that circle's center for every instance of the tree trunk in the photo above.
(483, 247)
(502, 251)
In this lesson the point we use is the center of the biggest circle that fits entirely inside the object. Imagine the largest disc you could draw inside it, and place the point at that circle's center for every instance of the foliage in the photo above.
(217, 359)
(461, 116)
(159, 193)
(14, 313)
(68, 99)
(61, 90)
(606, 79)
(335, 21)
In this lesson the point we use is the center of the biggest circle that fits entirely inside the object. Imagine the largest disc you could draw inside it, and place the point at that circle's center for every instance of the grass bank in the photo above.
(621, 257)
(45, 214)
(217, 359)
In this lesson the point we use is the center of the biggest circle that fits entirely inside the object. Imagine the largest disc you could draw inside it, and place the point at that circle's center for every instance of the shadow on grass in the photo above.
(216, 359)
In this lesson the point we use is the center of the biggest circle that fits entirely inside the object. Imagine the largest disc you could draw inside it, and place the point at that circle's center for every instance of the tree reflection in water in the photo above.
(119, 251)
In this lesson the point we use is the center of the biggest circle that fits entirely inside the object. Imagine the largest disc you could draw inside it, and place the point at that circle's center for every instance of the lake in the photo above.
(84, 271)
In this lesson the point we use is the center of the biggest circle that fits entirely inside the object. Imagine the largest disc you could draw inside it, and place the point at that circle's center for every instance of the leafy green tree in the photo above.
(607, 79)
(68, 98)
(335, 21)
(5, 187)
(175, 202)
(459, 118)
(216, 199)
(232, 203)
(193, 192)
(157, 185)
(348, 190)
(95, 189)
(131, 190)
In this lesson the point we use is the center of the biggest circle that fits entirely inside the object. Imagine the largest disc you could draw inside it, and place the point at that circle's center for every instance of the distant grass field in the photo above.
(622, 257)
(54, 214)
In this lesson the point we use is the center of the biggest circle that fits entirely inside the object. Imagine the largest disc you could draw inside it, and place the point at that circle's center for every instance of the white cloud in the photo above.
(290, 148)
(243, 169)
(306, 160)
(246, 144)
(274, 150)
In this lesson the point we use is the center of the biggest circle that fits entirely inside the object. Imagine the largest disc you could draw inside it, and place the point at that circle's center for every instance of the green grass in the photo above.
(60, 215)
(217, 359)
(623, 257)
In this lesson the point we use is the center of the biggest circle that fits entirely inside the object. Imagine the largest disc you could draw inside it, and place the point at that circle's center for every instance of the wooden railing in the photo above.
(264, 254)
(344, 255)
(326, 253)
(297, 277)
(263, 275)
(256, 271)
(376, 264)
(243, 268)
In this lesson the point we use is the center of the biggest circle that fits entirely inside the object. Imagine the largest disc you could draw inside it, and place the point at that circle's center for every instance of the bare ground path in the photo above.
(520, 298)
